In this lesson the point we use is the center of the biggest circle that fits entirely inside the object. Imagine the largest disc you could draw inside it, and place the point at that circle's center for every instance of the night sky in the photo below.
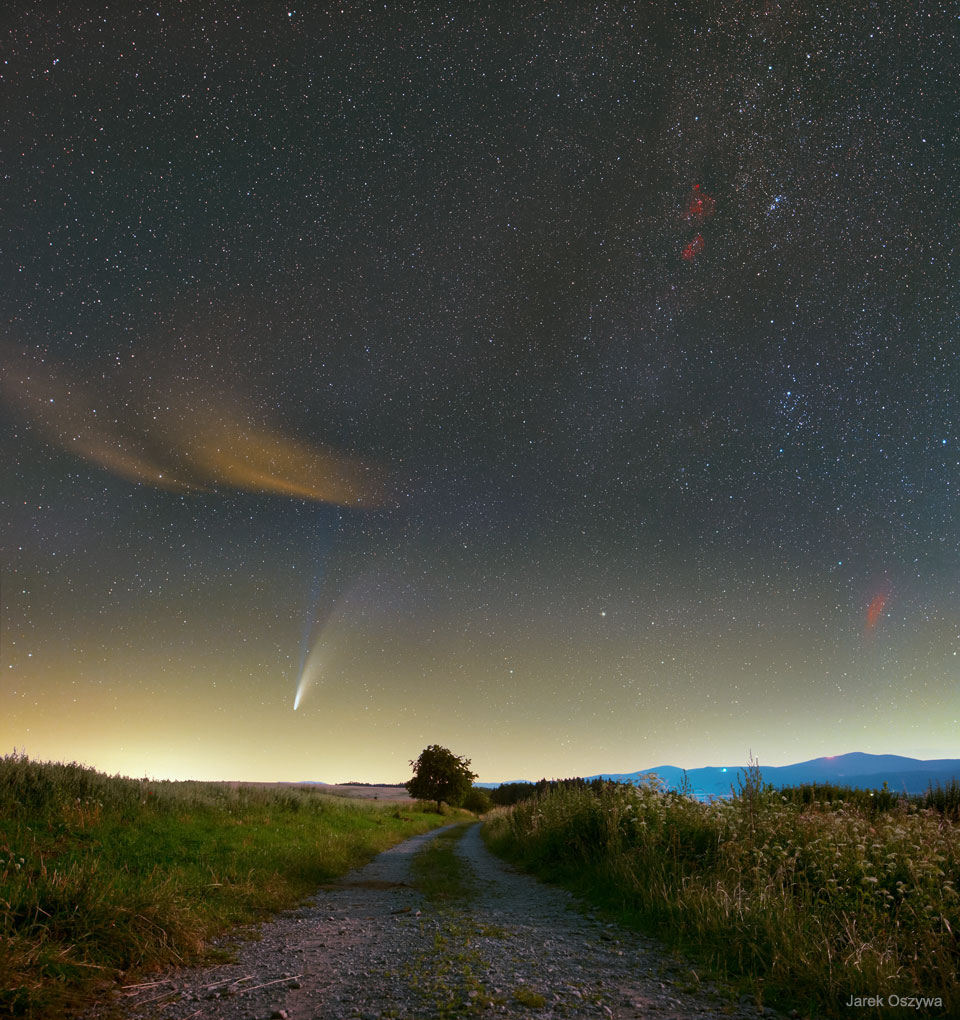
(575, 386)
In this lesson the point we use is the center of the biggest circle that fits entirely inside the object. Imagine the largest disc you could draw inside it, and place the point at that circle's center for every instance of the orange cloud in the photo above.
(184, 444)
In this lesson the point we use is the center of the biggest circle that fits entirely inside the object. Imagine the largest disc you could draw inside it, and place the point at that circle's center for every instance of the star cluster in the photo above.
(574, 387)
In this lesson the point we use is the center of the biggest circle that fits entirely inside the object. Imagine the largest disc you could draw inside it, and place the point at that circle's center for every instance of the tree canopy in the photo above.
(439, 774)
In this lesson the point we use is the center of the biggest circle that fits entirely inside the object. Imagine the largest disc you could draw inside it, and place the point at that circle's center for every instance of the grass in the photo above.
(525, 996)
(943, 799)
(798, 901)
(452, 975)
(104, 878)
(437, 870)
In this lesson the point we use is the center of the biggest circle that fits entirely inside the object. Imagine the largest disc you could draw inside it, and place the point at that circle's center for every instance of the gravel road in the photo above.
(372, 947)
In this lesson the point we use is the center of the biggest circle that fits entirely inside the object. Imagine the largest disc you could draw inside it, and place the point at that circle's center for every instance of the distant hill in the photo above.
(863, 771)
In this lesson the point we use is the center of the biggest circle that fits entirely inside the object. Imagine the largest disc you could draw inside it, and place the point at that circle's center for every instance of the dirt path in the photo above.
(372, 947)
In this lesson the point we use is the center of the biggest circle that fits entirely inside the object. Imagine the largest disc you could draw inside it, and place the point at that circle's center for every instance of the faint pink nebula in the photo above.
(875, 611)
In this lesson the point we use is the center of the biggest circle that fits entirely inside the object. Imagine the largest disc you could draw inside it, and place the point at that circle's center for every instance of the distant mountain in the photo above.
(863, 771)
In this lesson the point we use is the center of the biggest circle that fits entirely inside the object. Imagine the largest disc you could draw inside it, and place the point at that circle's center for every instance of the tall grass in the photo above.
(102, 877)
(801, 903)
(944, 799)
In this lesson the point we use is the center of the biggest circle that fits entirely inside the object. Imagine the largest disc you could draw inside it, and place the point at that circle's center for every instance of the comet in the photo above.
(314, 622)
(312, 662)
(303, 681)
(335, 586)
(304, 652)
(315, 638)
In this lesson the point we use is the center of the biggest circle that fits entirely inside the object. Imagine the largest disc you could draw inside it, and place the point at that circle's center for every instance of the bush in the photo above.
(478, 801)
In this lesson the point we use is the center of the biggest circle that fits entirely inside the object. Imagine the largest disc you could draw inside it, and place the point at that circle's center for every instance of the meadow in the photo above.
(106, 878)
(803, 899)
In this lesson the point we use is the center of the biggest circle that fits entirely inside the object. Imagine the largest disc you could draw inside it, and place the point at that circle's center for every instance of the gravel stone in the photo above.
(370, 947)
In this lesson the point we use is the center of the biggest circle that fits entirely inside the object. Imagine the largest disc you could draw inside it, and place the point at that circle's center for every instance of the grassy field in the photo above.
(103, 878)
(800, 902)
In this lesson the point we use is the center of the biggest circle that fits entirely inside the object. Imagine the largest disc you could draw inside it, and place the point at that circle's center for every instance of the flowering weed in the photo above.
(799, 901)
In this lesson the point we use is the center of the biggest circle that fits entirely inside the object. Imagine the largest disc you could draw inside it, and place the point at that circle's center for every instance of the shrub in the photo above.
(477, 800)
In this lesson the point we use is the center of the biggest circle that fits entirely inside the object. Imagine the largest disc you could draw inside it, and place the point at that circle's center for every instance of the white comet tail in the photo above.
(310, 670)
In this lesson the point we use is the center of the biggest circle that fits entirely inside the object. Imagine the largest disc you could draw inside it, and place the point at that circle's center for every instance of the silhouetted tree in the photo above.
(512, 793)
(439, 774)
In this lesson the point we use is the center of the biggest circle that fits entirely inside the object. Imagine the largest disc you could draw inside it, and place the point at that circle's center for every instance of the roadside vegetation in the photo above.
(452, 974)
(803, 898)
(103, 878)
(439, 873)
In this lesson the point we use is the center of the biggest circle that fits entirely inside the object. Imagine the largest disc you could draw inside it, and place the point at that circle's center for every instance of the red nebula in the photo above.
(700, 206)
(875, 611)
(693, 249)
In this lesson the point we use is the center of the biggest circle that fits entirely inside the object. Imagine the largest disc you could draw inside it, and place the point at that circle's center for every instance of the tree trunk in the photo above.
(439, 812)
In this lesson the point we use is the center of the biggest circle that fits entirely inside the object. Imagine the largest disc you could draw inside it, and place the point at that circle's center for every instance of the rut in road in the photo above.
(372, 946)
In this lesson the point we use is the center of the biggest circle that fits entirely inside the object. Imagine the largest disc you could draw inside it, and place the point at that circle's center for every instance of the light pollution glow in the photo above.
(389, 694)
(530, 670)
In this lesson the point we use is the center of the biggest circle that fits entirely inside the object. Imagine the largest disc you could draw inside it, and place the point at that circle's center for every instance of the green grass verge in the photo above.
(439, 873)
(103, 877)
(450, 975)
(799, 904)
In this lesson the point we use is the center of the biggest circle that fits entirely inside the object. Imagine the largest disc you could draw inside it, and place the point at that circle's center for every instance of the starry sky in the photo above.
(575, 386)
